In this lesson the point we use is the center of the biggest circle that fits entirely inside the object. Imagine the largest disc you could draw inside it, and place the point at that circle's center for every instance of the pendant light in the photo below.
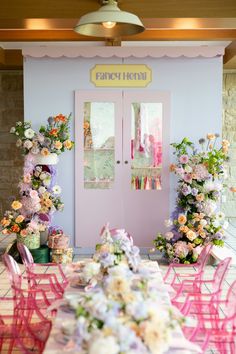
(109, 22)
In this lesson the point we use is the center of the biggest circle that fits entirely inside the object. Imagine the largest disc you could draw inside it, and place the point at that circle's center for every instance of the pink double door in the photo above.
(121, 163)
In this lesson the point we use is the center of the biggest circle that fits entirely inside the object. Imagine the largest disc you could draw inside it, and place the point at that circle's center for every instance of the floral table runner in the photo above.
(59, 339)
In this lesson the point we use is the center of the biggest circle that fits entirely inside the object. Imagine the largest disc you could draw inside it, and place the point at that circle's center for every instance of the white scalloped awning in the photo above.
(124, 52)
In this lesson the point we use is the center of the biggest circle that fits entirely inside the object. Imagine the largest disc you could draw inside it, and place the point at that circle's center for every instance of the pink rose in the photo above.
(33, 194)
(183, 159)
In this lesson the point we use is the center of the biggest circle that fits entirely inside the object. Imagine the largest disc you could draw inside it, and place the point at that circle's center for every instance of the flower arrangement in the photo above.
(116, 248)
(122, 315)
(38, 195)
(27, 229)
(196, 222)
(52, 138)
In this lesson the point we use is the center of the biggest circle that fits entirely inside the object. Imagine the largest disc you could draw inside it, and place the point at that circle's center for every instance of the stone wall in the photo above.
(11, 111)
(229, 133)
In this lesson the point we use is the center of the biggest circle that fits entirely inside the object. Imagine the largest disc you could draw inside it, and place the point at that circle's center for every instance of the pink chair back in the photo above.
(25, 255)
(231, 300)
(220, 273)
(204, 255)
(12, 269)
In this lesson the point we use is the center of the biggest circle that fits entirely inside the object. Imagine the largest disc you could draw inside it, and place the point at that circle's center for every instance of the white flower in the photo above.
(208, 186)
(42, 190)
(56, 189)
(28, 144)
(104, 345)
(168, 222)
(120, 270)
(18, 142)
(42, 176)
(188, 169)
(18, 123)
(29, 133)
(169, 235)
(90, 270)
(216, 223)
(35, 150)
(220, 215)
(47, 181)
(12, 130)
(203, 222)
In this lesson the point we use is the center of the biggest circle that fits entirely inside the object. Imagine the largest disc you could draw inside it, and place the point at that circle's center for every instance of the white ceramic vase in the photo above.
(51, 159)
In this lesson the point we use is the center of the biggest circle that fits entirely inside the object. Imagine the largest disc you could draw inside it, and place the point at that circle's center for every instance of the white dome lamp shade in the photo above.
(109, 22)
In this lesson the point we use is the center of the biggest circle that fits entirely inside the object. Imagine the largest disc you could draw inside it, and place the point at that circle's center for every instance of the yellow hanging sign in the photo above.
(121, 75)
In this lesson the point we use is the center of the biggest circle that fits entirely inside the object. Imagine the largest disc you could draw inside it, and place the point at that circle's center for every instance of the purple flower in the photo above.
(219, 236)
(186, 189)
(50, 120)
(194, 192)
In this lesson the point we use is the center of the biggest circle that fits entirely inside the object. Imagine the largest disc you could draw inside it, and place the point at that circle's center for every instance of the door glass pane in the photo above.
(99, 145)
(146, 146)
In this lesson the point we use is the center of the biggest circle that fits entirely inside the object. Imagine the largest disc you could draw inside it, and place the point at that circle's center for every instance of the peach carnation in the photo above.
(19, 219)
(182, 219)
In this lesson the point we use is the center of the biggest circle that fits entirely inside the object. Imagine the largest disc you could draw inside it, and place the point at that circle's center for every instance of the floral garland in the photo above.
(39, 196)
(195, 221)
(122, 313)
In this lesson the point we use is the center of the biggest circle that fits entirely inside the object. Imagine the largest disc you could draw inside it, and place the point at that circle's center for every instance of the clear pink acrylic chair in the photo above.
(216, 326)
(52, 279)
(172, 272)
(43, 298)
(195, 289)
(17, 331)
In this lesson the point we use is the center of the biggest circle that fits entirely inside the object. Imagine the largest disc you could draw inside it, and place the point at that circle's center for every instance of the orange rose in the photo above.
(233, 189)
(58, 145)
(16, 205)
(60, 118)
(182, 219)
(5, 222)
(68, 144)
(15, 228)
(19, 219)
(53, 132)
(45, 152)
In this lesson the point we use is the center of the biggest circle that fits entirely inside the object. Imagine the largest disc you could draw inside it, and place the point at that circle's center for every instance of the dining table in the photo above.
(178, 343)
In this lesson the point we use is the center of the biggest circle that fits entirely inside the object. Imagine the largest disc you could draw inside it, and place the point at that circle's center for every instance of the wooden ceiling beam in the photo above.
(148, 35)
(143, 8)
